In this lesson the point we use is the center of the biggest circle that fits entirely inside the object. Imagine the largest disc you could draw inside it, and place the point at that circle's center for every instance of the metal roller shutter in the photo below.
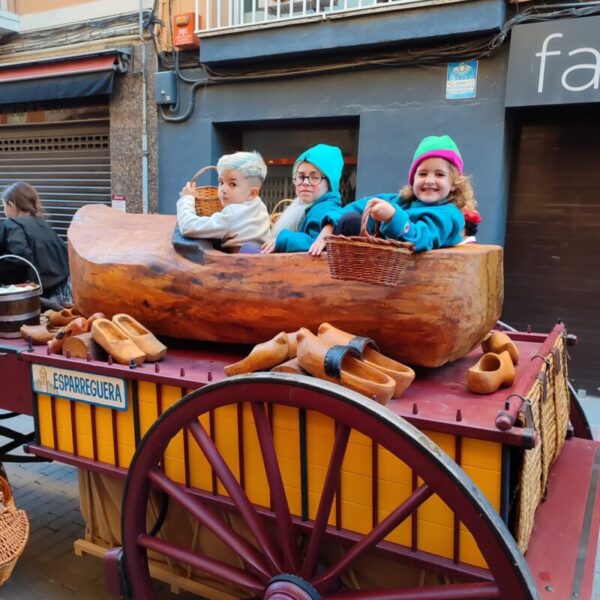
(69, 165)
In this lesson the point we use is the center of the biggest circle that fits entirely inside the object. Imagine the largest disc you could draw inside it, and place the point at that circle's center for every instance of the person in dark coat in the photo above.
(27, 234)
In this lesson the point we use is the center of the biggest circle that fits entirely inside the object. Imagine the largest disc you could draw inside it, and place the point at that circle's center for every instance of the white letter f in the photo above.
(542, 56)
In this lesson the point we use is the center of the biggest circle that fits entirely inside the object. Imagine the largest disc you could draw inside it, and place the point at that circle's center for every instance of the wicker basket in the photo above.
(14, 530)
(278, 209)
(366, 257)
(207, 198)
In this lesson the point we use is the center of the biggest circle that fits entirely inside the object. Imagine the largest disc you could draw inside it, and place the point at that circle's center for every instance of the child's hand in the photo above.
(380, 210)
(189, 189)
(268, 247)
(319, 244)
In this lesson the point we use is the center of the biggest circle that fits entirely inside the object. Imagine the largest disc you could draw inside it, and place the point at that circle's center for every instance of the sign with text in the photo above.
(119, 202)
(77, 385)
(461, 80)
(556, 62)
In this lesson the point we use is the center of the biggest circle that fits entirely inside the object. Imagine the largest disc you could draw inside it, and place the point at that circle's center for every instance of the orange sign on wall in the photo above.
(184, 27)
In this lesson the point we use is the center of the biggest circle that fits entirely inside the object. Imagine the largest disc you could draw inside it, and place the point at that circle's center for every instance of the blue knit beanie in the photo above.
(328, 159)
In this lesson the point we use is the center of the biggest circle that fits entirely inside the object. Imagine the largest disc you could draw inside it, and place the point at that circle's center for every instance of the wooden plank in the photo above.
(562, 550)
(160, 572)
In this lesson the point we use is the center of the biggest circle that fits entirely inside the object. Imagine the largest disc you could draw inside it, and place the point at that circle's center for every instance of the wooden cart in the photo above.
(282, 486)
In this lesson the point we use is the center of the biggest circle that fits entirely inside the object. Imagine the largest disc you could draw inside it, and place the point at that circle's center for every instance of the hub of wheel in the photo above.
(290, 587)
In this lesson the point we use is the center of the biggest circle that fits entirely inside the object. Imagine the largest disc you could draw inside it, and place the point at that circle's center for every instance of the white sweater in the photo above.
(234, 225)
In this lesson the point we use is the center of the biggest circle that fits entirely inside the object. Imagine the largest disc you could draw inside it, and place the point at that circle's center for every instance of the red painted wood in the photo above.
(15, 376)
(564, 532)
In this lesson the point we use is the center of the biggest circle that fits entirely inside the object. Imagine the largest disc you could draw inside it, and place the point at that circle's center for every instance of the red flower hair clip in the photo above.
(472, 216)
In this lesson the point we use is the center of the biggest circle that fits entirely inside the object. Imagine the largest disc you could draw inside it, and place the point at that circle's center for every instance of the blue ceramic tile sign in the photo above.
(461, 81)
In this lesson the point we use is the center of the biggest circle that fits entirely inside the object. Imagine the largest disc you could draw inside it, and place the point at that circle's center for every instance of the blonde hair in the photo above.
(249, 164)
(462, 196)
(24, 198)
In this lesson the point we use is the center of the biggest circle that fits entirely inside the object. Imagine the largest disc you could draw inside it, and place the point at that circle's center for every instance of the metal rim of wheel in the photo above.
(267, 561)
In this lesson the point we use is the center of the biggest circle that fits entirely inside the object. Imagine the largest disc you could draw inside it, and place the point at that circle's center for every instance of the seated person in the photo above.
(26, 233)
(244, 223)
(316, 175)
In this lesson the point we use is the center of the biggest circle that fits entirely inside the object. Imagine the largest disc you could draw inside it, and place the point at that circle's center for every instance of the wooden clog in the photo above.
(401, 374)
(83, 346)
(63, 317)
(342, 364)
(75, 327)
(262, 357)
(144, 339)
(497, 341)
(39, 334)
(289, 366)
(116, 342)
(491, 372)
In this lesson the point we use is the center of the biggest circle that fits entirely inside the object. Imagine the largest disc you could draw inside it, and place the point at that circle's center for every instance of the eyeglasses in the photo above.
(313, 179)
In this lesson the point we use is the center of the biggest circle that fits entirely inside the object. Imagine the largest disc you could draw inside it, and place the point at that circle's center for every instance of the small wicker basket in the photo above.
(14, 531)
(366, 257)
(207, 198)
(278, 209)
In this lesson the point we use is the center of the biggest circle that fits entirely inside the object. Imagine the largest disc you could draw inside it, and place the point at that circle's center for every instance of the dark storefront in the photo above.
(552, 263)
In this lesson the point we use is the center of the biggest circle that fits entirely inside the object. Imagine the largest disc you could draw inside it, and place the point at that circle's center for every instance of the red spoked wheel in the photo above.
(280, 556)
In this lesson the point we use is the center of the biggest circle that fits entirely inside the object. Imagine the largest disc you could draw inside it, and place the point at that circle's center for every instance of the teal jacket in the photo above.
(426, 225)
(310, 225)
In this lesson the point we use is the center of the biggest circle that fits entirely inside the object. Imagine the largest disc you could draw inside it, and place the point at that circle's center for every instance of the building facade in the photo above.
(515, 84)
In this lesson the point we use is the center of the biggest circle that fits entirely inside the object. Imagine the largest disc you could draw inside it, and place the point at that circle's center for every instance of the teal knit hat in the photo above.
(434, 146)
(328, 159)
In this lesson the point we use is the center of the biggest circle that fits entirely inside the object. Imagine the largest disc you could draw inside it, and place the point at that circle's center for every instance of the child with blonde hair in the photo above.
(244, 223)
(428, 211)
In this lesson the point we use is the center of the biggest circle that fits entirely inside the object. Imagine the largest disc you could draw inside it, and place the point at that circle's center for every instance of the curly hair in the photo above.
(462, 194)
(24, 198)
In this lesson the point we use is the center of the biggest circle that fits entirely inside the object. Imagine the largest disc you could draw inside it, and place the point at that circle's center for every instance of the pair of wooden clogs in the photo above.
(496, 368)
(127, 340)
(334, 355)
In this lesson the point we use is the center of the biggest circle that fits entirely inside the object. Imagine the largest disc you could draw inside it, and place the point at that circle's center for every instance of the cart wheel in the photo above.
(280, 557)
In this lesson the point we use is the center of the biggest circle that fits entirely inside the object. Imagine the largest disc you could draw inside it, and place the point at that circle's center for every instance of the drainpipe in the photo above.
(145, 208)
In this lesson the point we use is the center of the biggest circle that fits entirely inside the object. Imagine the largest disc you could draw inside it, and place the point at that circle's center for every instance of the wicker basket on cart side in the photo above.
(366, 257)
(14, 531)
(207, 198)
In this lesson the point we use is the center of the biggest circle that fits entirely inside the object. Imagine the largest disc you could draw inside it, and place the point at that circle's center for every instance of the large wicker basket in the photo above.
(207, 199)
(366, 257)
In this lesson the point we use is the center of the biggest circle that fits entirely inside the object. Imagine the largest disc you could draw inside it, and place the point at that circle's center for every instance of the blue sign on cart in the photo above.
(461, 81)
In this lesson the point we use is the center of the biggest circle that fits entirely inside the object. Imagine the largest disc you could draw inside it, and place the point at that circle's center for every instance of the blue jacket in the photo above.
(310, 226)
(424, 224)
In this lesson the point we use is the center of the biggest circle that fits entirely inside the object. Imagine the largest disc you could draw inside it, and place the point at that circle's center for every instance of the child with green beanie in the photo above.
(316, 175)
(428, 211)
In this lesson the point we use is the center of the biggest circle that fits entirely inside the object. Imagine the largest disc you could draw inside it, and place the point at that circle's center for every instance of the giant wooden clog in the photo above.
(262, 357)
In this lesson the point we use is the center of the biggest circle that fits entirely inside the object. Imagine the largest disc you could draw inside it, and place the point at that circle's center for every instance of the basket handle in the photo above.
(201, 171)
(363, 227)
(34, 269)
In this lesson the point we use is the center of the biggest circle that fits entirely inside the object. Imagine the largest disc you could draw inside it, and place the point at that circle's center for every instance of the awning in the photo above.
(60, 79)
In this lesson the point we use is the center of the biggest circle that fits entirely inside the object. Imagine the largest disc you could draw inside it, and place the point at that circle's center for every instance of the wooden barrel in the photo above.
(20, 307)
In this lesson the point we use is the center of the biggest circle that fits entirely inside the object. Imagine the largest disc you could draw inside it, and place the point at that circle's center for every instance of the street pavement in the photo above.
(48, 569)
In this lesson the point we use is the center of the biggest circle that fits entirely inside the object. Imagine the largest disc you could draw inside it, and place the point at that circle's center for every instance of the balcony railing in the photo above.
(227, 15)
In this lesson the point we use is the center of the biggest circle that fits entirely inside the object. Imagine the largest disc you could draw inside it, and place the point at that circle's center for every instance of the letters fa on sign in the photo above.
(577, 77)
(557, 62)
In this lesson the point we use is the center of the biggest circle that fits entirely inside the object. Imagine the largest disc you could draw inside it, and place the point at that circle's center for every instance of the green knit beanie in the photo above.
(435, 146)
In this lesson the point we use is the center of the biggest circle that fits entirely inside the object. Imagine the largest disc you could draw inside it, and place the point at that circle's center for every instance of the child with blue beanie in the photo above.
(316, 175)
(428, 211)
